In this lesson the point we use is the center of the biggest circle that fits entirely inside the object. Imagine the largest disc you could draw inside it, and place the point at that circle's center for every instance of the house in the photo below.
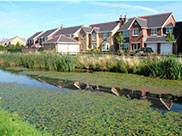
(13, 41)
(33, 39)
(178, 36)
(102, 35)
(148, 31)
(47, 35)
(62, 44)
(72, 32)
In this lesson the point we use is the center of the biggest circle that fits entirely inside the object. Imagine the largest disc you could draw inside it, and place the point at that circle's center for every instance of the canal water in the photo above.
(44, 82)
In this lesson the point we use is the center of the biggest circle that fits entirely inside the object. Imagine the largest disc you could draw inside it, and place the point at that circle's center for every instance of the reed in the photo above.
(44, 61)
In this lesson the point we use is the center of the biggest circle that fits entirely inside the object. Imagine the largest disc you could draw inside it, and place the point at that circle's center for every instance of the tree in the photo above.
(170, 38)
(120, 39)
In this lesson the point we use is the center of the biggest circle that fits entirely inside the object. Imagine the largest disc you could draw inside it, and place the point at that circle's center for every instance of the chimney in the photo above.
(121, 19)
(61, 26)
(124, 19)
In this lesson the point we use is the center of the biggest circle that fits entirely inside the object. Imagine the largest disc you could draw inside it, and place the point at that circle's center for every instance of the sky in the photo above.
(24, 18)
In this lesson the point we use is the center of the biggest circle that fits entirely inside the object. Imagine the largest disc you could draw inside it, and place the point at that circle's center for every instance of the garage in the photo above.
(166, 48)
(64, 45)
(153, 46)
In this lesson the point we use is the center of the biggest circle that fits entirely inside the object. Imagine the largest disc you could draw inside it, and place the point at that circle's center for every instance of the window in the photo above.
(154, 31)
(125, 33)
(105, 45)
(82, 36)
(94, 46)
(169, 30)
(135, 32)
(124, 46)
(94, 36)
(82, 46)
(105, 35)
(135, 46)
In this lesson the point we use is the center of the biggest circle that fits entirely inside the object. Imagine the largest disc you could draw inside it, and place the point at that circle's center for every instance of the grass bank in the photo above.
(87, 113)
(13, 125)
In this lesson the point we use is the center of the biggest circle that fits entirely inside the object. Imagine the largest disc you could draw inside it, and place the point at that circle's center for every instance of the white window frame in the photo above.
(82, 46)
(126, 33)
(134, 30)
(105, 35)
(154, 31)
(170, 29)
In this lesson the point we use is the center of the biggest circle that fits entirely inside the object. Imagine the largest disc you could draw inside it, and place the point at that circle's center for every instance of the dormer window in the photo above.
(154, 31)
(135, 31)
(105, 35)
(169, 30)
(94, 36)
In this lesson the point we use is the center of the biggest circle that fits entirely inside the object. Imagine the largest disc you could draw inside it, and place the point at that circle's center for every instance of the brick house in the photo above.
(33, 39)
(102, 35)
(178, 36)
(148, 31)
(47, 35)
(72, 32)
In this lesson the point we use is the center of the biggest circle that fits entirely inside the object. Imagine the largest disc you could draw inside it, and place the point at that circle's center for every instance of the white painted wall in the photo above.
(153, 46)
(166, 48)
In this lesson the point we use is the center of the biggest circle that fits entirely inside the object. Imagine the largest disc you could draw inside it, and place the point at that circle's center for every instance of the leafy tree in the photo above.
(120, 39)
(170, 38)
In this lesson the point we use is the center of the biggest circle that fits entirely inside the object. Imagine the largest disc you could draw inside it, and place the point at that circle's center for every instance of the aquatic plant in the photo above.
(87, 113)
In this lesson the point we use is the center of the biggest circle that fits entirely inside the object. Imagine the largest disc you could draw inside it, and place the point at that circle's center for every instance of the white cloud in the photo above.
(119, 5)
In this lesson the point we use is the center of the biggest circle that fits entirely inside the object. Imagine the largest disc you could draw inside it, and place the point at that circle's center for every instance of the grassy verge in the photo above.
(12, 125)
(120, 80)
(87, 113)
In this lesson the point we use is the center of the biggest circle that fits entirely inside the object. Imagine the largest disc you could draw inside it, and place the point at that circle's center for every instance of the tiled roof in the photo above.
(108, 26)
(153, 39)
(147, 21)
(35, 35)
(156, 20)
(68, 30)
(48, 32)
(126, 25)
(61, 39)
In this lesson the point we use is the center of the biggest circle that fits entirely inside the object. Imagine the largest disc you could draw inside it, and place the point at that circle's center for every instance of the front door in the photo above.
(135, 46)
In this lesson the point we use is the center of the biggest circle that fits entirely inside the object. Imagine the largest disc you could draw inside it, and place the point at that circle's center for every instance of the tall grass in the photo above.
(169, 68)
(47, 61)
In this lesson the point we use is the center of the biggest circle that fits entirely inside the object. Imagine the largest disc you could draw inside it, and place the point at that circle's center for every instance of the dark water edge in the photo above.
(161, 102)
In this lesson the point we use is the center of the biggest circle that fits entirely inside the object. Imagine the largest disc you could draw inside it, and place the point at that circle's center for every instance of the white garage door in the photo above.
(153, 46)
(74, 49)
(166, 49)
(62, 48)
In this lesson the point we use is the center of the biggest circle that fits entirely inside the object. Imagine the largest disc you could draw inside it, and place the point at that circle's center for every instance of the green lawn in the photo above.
(131, 81)
(12, 125)
(86, 113)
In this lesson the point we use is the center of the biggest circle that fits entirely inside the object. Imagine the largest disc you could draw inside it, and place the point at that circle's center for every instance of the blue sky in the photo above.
(24, 18)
